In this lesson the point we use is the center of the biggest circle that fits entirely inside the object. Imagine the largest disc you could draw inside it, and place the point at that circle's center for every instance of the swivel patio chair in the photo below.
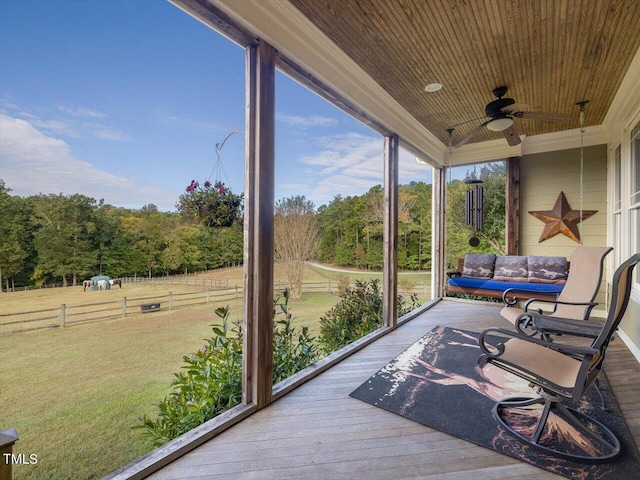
(560, 373)
(577, 297)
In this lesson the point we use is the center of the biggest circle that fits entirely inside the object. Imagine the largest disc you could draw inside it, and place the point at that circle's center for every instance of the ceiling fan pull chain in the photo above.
(582, 105)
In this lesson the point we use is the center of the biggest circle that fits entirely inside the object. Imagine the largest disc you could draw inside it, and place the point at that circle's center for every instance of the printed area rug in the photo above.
(437, 382)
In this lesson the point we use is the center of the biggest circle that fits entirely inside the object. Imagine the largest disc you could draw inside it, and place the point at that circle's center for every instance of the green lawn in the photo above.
(74, 393)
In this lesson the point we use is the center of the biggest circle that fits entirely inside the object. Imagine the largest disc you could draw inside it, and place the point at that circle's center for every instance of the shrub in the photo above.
(209, 384)
(211, 380)
(292, 350)
(343, 284)
(357, 314)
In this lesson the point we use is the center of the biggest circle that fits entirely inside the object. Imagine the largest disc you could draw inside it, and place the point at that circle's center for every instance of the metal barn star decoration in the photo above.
(561, 220)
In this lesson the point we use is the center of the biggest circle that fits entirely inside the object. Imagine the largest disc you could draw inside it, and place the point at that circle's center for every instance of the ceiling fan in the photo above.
(501, 113)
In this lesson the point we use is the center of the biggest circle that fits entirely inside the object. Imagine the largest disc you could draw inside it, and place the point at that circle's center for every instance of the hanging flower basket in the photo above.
(213, 205)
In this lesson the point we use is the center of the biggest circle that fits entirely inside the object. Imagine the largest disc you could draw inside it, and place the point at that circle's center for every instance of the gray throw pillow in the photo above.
(547, 269)
(512, 268)
(478, 265)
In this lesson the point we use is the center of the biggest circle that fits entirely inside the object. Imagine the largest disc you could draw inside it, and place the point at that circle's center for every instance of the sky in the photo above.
(125, 100)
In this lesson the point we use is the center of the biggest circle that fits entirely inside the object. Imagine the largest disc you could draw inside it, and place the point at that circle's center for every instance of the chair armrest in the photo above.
(513, 290)
(494, 351)
(556, 303)
(510, 291)
(544, 324)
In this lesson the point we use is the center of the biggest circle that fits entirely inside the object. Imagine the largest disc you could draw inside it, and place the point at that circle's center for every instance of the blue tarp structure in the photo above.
(95, 279)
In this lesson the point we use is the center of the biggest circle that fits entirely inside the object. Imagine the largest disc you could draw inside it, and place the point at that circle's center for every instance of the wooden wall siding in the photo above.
(542, 177)
(630, 324)
(550, 54)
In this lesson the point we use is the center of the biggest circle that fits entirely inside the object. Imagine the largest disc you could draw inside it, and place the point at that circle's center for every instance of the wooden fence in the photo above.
(90, 312)
(200, 283)
(206, 291)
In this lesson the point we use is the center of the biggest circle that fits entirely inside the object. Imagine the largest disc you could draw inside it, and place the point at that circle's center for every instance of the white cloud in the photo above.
(72, 123)
(7, 103)
(306, 122)
(33, 162)
(81, 112)
(347, 164)
(350, 164)
(97, 130)
(410, 170)
(57, 127)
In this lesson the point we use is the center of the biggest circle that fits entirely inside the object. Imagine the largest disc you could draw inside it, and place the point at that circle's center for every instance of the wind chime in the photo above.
(473, 206)
(473, 200)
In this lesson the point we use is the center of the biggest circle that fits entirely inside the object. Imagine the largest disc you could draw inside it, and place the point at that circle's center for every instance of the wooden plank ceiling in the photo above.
(550, 53)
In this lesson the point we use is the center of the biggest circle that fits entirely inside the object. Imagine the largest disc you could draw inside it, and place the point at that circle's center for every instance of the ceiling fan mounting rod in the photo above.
(582, 104)
(500, 91)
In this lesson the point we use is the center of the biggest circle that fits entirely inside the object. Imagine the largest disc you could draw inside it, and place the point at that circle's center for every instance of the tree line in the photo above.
(58, 238)
(66, 238)
(351, 228)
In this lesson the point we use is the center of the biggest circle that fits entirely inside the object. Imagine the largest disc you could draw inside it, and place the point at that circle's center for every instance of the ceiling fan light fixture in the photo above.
(433, 87)
(500, 124)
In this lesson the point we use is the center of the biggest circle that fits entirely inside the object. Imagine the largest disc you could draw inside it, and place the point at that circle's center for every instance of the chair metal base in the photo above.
(601, 443)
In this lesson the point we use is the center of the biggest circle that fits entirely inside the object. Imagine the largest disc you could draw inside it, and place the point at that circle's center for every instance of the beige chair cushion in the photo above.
(582, 284)
(583, 281)
(511, 313)
(542, 361)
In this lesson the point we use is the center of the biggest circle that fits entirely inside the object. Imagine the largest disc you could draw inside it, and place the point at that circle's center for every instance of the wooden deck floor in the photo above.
(319, 432)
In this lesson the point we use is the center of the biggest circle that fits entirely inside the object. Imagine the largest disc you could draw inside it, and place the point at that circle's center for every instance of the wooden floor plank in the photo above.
(317, 431)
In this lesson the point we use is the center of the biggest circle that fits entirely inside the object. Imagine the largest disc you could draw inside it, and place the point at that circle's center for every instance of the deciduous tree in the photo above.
(296, 238)
(64, 235)
(12, 233)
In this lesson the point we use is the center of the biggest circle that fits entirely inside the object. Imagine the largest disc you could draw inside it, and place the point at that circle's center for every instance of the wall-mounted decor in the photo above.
(561, 220)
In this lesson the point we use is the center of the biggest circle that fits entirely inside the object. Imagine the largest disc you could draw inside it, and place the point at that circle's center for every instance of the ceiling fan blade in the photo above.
(471, 135)
(550, 117)
(468, 121)
(515, 107)
(511, 134)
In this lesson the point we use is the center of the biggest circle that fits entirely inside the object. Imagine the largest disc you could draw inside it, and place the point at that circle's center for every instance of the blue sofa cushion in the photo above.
(488, 284)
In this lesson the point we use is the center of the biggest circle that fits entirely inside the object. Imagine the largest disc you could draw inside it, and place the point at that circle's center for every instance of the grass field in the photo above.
(74, 393)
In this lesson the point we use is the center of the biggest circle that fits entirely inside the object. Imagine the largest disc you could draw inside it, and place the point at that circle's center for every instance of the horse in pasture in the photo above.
(102, 284)
(86, 284)
(116, 281)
